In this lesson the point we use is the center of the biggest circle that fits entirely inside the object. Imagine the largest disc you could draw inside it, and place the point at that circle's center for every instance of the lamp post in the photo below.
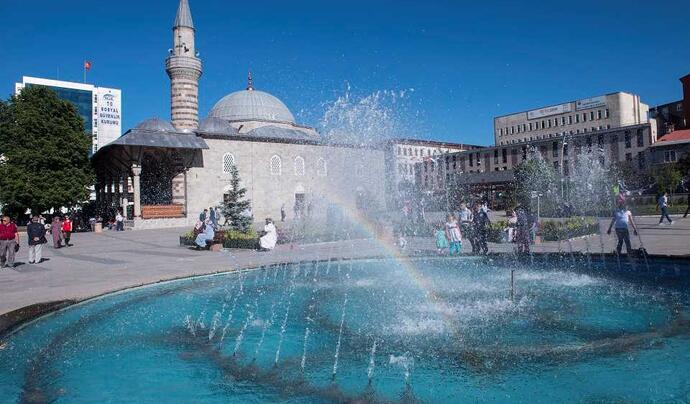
(564, 143)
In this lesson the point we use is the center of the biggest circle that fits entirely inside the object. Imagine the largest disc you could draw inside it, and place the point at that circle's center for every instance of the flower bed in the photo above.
(552, 230)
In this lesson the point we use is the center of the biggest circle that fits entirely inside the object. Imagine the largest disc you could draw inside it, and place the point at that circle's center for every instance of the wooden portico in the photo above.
(147, 170)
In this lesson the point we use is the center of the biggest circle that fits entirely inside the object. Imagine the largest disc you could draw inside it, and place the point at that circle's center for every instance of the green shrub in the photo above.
(238, 235)
(495, 233)
(552, 230)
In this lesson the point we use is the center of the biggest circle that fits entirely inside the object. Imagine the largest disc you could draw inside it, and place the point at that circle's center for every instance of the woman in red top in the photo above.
(67, 230)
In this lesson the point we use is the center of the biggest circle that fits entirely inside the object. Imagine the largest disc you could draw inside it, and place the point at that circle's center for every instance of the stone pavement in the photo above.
(104, 262)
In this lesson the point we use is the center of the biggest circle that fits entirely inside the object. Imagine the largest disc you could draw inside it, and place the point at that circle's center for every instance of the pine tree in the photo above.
(44, 159)
(235, 207)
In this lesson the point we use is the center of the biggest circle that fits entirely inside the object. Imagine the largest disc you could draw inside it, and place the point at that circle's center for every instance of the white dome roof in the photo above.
(250, 105)
(155, 125)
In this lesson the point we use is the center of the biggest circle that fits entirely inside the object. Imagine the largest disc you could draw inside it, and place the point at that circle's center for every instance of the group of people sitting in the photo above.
(205, 231)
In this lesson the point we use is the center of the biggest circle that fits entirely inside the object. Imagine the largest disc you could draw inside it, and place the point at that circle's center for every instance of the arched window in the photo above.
(321, 169)
(276, 165)
(299, 165)
(228, 162)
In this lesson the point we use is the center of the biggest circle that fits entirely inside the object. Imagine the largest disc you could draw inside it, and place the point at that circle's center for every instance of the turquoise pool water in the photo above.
(433, 330)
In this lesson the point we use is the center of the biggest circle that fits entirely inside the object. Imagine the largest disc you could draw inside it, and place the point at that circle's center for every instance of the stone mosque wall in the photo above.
(276, 174)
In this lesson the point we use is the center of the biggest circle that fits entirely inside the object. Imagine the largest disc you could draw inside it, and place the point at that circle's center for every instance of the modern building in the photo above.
(179, 168)
(491, 169)
(100, 107)
(674, 115)
(402, 154)
(670, 148)
(588, 115)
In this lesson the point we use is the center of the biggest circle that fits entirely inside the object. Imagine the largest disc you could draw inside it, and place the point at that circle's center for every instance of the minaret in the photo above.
(184, 69)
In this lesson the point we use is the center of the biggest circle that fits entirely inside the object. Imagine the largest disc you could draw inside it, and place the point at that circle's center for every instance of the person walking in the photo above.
(55, 231)
(213, 217)
(67, 230)
(522, 230)
(202, 215)
(119, 221)
(622, 219)
(282, 213)
(688, 209)
(36, 235)
(453, 235)
(9, 242)
(465, 218)
(441, 240)
(663, 206)
(480, 223)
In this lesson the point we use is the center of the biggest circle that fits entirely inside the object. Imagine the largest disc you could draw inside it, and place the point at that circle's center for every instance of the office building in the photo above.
(100, 107)
(610, 111)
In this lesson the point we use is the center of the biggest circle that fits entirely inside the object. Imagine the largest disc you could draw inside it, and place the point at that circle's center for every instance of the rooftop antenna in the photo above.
(250, 82)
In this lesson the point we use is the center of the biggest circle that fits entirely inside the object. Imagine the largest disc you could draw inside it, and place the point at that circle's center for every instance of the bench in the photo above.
(162, 211)
(217, 243)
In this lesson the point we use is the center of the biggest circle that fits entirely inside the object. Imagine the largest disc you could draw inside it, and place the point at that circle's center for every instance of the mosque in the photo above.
(166, 172)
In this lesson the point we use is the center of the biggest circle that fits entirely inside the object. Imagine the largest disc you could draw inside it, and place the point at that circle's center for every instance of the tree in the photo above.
(235, 207)
(45, 161)
(534, 174)
(668, 177)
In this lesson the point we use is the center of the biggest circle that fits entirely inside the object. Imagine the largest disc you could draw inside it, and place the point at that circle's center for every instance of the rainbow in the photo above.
(389, 246)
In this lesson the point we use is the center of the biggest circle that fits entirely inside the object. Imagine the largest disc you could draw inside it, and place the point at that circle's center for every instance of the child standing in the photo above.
(453, 235)
(441, 241)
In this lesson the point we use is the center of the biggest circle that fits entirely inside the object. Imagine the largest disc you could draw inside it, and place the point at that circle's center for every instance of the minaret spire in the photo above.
(250, 82)
(184, 15)
(184, 69)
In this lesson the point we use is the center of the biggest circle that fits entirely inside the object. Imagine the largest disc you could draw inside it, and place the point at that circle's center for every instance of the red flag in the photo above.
(87, 65)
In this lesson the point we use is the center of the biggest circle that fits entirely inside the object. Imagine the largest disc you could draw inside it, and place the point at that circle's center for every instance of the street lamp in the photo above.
(537, 195)
(561, 167)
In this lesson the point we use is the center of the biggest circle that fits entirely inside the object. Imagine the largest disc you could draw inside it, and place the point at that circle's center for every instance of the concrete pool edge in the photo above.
(14, 320)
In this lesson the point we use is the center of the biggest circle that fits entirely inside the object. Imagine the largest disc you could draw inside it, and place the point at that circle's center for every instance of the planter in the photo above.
(247, 244)
(186, 242)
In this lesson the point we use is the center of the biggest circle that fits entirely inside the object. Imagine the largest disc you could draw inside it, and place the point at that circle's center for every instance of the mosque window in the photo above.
(299, 165)
(321, 169)
(228, 162)
(276, 165)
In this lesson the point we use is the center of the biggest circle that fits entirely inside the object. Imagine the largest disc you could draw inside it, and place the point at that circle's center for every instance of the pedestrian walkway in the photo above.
(104, 262)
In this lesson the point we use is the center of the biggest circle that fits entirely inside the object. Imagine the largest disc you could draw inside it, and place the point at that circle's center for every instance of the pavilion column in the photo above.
(118, 194)
(136, 176)
(109, 191)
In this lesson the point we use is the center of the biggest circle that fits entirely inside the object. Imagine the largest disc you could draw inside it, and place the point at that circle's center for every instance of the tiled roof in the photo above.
(676, 135)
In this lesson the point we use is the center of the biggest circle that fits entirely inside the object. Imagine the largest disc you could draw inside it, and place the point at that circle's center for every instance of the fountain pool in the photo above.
(427, 330)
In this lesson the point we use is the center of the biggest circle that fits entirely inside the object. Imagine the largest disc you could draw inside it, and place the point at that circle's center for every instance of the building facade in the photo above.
(674, 115)
(624, 144)
(177, 169)
(588, 115)
(99, 107)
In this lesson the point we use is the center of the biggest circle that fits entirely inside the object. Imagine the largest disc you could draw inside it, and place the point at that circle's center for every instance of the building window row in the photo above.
(417, 151)
(554, 122)
(555, 135)
(276, 165)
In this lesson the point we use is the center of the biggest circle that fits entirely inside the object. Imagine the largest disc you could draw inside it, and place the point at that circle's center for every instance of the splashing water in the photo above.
(368, 119)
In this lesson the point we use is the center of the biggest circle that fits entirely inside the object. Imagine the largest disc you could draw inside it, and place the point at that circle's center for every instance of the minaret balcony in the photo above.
(174, 62)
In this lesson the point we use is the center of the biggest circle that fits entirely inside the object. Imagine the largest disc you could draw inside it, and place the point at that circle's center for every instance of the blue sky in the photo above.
(466, 61)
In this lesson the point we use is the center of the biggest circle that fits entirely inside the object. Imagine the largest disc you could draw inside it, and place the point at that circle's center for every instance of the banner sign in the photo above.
(548, 111)
(593, 102)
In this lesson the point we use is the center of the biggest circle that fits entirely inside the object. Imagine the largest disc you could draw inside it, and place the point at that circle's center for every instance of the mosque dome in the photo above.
(155, 125)
(251, 105)
(214, 125)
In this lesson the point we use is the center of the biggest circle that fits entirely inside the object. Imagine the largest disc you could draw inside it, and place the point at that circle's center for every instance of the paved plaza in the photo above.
(104, 262)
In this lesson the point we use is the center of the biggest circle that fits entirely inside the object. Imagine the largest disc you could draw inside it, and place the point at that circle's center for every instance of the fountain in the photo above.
(425, 330)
